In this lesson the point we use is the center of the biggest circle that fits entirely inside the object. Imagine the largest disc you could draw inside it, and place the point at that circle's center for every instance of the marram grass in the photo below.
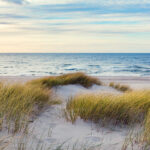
(119, 87)
(72, 78)
(128, 108)
(18, 102)
(147, 128)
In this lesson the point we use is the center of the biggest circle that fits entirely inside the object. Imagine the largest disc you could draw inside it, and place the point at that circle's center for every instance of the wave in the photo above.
(72, 69)
(97, 64)
(66, 65)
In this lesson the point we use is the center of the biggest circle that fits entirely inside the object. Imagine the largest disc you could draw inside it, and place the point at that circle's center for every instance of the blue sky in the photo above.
(74, 26)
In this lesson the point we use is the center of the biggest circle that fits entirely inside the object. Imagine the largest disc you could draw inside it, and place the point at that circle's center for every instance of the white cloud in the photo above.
(28, 28)
(18, 2)
(104, 2)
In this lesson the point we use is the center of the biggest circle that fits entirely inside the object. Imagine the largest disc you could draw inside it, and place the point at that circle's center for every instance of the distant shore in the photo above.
(133, 82)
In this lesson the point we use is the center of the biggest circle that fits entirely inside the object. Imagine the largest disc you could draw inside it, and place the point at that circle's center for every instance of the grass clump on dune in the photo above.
(129, 108)
(72, 78)
(18, 102)
(147, 128)
(126, 108)
(123, 88)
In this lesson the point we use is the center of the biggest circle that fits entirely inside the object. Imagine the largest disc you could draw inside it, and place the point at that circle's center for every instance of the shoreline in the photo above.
(134, 82)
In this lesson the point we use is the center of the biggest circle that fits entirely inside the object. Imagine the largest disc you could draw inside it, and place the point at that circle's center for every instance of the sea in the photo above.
(95, 64)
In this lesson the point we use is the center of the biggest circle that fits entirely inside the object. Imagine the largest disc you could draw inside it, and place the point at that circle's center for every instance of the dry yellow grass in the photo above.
(119, 87)
(147, 128)
(129, 108)
(17, 103)
(72, 78)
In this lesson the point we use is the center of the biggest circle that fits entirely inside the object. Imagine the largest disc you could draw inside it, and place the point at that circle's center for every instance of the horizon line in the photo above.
(75, 53)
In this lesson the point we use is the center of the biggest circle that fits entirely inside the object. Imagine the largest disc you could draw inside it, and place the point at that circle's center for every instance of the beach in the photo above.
(51, 128)
(133, 81)
(74, 75)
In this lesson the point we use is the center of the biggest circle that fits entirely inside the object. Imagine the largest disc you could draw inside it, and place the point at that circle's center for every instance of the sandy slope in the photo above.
(51, 128)
(54, 128)
(134, 82)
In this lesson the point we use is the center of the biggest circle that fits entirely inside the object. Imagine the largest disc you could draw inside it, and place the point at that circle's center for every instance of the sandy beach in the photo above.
(74, 75)
(51, 128)
(133, 82)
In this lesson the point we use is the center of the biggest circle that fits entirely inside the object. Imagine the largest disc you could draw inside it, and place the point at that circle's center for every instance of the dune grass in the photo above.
(72, 78)
(147, 128)
(129, 108)
(119, 87)
(18, 102)
(126, 108)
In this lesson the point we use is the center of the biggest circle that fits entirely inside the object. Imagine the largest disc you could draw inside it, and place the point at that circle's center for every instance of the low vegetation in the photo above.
(123, 88)
(128, 108)
(72, 78)
(147, 128)
(18, 102)
(26, 143)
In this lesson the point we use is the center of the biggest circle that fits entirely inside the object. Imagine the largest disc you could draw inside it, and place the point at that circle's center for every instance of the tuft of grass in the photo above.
(147, 128)
(129, 108)
(123, 88)
(72, 78)
(126, 108)
(27, 143)
(18, 103)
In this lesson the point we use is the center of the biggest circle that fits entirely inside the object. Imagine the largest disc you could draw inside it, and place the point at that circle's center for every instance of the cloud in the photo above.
(44, 21)
(97, 2)
(5, 23)
(13, 16)
(72, 8)
(19, 2)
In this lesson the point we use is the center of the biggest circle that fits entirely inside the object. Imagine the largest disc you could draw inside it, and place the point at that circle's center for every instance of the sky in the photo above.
(74, 26)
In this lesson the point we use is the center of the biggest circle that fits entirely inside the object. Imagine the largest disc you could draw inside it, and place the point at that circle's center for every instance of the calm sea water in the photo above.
(92, 64)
